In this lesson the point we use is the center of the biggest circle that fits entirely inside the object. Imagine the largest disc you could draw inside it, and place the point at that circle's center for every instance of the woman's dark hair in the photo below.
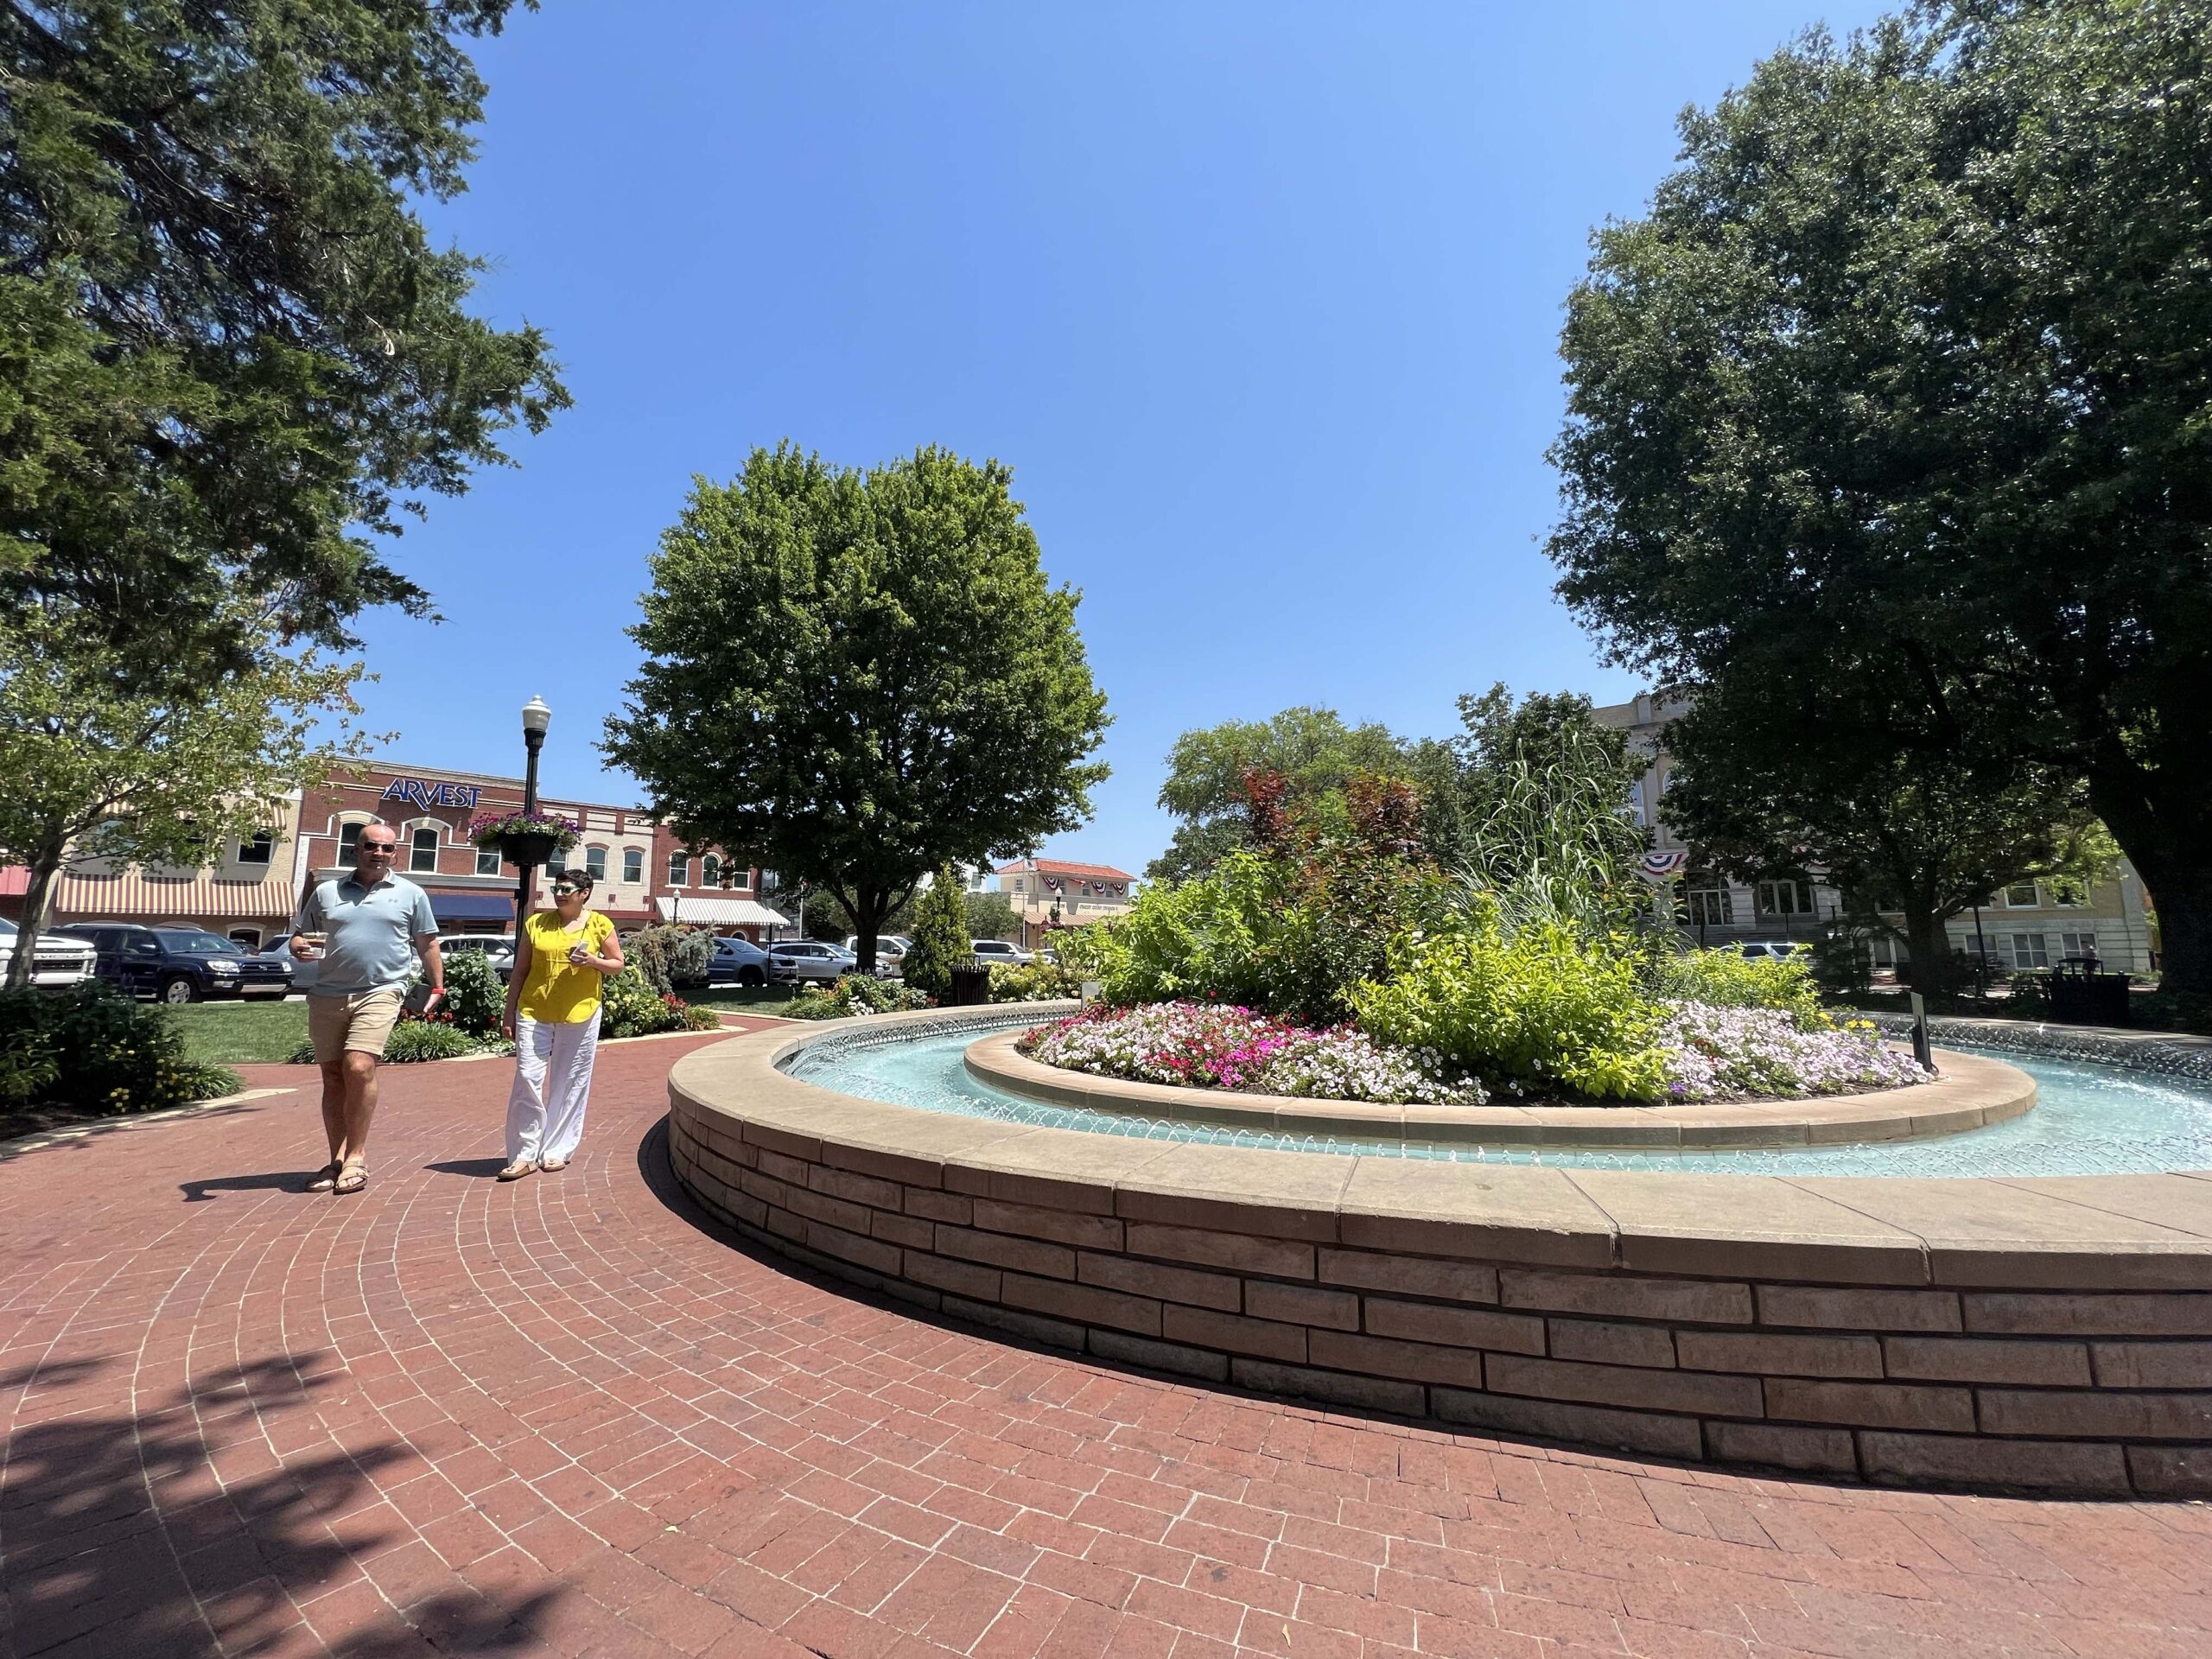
(579, 879)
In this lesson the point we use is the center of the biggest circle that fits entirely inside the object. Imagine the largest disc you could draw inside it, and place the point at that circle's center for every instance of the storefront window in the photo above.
(425, 854)
(634, 866)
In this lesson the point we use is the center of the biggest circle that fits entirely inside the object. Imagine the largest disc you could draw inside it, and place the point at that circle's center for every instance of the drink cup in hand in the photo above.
(314, 943)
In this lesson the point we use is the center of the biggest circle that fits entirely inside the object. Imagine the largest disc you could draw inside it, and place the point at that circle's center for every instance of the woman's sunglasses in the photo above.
(562, 890)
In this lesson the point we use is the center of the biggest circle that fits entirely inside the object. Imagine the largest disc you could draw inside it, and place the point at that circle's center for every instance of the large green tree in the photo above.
(1312, 749)
(1909, 365)
(230, 357)
(1768, 778)
(859, 676)
(98, 770)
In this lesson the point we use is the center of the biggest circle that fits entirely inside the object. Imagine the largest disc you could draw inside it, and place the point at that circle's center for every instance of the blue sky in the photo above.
(1260, 303)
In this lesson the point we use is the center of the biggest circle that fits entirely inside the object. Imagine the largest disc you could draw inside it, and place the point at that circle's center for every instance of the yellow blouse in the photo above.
(557, 993)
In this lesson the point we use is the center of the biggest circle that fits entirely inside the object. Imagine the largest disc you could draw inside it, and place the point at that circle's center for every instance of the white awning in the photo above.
(721, 913)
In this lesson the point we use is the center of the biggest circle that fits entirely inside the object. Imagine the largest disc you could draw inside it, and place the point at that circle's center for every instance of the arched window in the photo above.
(425, 855)
(711, 870)
(595, 863)
(349, 838)
(633, 865)
(680, 870)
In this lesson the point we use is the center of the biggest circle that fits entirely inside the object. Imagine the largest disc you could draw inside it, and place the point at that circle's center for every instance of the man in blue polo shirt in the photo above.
(375, 923)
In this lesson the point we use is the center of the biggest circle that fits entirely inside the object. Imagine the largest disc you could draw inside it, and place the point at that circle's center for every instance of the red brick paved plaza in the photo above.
(566, 1416)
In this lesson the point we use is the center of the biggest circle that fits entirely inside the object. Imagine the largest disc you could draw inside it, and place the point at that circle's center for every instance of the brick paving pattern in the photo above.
(567, 1416)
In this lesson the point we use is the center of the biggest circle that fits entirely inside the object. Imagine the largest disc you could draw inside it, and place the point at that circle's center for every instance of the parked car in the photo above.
(890, 953)
(1766, 949)
(738, 961)
(57, 962)
(1002, 953)
(809, 959)
(179, 964)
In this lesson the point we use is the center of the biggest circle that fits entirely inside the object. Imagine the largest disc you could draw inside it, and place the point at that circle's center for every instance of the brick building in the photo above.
(637, 866)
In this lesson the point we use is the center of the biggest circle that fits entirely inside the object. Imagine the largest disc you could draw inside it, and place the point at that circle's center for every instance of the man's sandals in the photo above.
(327, 1177)
(351, 1179)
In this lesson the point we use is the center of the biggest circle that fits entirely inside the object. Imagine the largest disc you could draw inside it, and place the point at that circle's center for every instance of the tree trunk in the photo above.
(38, 906)
(2165, 829)
(1930, 946)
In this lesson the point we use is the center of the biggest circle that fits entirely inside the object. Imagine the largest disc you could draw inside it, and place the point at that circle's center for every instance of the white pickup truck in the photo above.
(57, 962)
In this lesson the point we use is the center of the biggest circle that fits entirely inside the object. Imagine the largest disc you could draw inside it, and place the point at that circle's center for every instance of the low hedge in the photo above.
(93, 1050)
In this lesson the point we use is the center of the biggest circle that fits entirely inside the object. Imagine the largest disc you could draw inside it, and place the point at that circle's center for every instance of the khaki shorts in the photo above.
(359, 1023)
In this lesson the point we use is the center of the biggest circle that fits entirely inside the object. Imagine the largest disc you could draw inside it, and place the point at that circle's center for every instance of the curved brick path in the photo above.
(562, 1417)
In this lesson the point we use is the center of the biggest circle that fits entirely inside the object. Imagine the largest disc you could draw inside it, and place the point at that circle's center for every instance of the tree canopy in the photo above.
(1908, 370)
(230, 357)
(1770, 779)
(97, 770)
(859, 676)
(1311, 749)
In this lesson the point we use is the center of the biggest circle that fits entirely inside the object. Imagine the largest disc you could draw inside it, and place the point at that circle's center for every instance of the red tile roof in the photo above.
(1056, 866)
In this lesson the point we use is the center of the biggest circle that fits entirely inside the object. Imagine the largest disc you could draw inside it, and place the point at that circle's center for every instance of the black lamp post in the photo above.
(536, 716)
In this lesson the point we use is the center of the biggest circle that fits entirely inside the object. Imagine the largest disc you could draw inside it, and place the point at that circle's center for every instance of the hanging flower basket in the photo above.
(525, 839)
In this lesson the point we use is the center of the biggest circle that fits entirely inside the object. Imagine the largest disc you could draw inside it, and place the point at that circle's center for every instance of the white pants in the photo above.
(545, 1108)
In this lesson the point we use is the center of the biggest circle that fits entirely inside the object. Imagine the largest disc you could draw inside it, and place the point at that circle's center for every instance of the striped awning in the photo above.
(719, 913)
(133, 896)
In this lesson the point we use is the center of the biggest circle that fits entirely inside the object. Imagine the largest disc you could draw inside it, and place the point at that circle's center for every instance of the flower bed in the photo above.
(1209, 1045)
(1705, 1052)
(1716, 1053)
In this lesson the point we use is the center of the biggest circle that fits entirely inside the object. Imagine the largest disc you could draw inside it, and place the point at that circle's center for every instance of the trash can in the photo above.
(2082, 994)
(972, 987)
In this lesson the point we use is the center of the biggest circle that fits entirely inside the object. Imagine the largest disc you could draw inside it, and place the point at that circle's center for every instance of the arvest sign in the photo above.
(418, 793)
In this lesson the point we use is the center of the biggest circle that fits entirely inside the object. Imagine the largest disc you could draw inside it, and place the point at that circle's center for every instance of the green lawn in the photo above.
(240, 1034)
(765, 999)
(246, 1033)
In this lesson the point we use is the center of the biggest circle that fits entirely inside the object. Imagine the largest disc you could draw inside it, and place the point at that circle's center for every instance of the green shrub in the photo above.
(855, 993)
(1288, 937)
(427, 1040)
(205, 1080)
(1547, 1008)
(2173, 1011)
(941, 939)
(1843, 963)
(699, 1018)
(1041, 982)
(1090, 952)
(1728, 980)
(1208, 939)
(670, 959)
(633, 1008)
(474, 998)
(92, 1050)
(2030, 996)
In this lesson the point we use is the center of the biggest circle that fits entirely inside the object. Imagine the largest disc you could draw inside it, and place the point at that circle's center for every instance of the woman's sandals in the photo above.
(516, 1172)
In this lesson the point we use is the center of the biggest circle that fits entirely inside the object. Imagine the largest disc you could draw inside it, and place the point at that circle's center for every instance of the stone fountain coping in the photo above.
(1970, 1093)
(2104, 1233)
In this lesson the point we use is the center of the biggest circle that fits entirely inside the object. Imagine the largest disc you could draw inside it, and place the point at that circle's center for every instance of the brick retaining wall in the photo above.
(2064, 1382)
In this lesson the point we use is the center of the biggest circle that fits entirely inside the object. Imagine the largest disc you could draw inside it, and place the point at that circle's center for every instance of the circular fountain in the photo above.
(1947, 1289)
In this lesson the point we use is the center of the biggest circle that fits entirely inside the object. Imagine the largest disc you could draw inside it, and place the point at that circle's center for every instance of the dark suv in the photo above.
(179, 964)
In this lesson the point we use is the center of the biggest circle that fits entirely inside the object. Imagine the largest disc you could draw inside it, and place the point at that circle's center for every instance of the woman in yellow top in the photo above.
(563, 958)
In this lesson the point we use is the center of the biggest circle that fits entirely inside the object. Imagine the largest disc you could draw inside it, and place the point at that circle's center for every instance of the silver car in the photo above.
(1000, 952)
(802, 959)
